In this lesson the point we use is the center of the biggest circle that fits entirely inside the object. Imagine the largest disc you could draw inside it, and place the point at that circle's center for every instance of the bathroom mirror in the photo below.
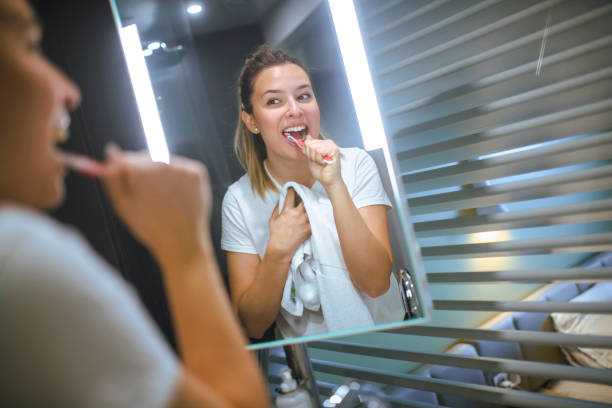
(194, 52)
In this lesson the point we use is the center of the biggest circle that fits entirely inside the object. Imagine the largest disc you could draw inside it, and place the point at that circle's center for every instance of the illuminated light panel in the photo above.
(194, 9)
(358, 73)
(145, 99)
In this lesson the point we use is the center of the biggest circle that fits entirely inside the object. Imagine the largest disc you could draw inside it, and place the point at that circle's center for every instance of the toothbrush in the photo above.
(84, 165)
(300, 144)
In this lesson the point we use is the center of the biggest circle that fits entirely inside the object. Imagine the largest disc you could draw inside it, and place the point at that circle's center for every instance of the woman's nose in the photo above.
(72, 96)
(293, 108)
(68, 91)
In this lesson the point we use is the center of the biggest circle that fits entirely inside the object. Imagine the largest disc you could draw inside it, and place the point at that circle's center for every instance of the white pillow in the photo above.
(590, 324)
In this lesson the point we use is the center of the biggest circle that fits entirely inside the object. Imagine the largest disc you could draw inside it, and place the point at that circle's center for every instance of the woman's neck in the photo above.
(284, 171)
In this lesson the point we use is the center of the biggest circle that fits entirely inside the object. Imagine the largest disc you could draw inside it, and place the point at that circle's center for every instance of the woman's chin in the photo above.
(299, 157)
(53, 197)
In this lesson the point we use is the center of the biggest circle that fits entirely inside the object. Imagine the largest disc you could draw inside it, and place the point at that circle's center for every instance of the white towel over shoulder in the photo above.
(318, 277)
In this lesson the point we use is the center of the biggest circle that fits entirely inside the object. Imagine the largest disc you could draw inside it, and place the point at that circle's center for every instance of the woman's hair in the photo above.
(249, 147)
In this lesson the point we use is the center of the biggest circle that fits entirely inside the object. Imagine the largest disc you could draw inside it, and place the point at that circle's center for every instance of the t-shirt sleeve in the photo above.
(235, 236)
(368, 188)
(74, 333)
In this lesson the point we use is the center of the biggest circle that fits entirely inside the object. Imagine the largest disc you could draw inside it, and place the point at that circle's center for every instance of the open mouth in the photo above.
(298, 133)
(63, 129)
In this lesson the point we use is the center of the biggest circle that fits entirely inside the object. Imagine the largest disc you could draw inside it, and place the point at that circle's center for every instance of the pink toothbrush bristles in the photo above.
(300, 144)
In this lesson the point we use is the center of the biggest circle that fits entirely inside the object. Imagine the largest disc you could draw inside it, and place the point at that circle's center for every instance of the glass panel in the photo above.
(194, 61)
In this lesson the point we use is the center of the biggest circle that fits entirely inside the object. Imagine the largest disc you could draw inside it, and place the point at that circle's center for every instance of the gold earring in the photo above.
(255, 130)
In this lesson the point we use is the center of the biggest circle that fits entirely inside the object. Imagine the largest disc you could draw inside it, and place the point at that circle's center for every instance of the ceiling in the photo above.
(153, 16)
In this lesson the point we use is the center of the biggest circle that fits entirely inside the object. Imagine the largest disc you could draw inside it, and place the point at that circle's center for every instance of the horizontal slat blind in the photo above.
(543, 275)
(560, 154)
(580, 181)
(499, 115)
(488, 364)
(480, 392)
(521, 336)
(468, 135)
(490, 394)
(596, 210)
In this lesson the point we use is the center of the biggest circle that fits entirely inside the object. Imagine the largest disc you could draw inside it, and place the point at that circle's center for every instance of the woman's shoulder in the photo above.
(354, 157)
(36, 248)
(352, 152)
(241, 193)
(239, 189)
(35, 242)
(17, 222)
(32, 231)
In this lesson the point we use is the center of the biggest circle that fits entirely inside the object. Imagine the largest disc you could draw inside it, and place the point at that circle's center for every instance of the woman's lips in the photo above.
(298, 132)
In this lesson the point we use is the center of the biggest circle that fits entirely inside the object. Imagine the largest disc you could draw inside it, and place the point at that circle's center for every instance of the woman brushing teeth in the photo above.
(74, 333)
(298, 140)
(76, 162)
(278, 140)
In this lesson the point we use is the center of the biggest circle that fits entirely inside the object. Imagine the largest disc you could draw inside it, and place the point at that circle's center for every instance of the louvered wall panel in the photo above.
(499, 115)
(462, 80)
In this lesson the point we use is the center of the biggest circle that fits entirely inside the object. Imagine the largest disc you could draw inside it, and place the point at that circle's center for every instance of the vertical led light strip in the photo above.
(145, 99)
(358, 73)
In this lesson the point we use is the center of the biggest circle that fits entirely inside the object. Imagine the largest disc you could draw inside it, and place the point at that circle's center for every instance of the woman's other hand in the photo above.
(326, 174)
(288, 228)
(166, 206)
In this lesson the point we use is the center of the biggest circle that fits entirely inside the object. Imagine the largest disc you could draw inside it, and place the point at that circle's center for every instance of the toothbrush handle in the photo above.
(327, 159)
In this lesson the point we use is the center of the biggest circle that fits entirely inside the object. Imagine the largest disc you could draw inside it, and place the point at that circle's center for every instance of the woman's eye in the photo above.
(304, 96)
(273, 101)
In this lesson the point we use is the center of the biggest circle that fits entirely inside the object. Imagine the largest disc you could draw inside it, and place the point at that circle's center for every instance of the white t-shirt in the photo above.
(73, 333)
(245, 215)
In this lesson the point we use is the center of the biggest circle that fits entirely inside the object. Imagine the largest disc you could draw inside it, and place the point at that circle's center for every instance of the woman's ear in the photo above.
(249, 121)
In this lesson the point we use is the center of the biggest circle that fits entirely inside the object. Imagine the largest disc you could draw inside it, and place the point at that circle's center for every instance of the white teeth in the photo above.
(63, 133)
(294, 129)
(65, 121)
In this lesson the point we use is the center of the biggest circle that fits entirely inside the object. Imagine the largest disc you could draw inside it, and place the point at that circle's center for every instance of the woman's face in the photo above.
(283, 102)
(35, 97)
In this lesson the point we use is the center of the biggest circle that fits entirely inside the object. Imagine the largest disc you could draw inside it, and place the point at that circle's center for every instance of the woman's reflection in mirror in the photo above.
(315, 265)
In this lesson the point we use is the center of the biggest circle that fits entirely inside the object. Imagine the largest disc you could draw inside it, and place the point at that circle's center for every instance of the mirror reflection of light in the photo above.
(147, 52)
(342, 390)
(498, 263)
(154, 45)
(358, 73)
(489, 236)
(194, 9)
(145, 99)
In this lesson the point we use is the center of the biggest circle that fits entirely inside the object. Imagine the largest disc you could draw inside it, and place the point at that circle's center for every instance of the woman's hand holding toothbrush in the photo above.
(325, 172)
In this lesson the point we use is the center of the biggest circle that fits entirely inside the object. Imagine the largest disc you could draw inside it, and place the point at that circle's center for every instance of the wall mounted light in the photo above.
(358, 73)
(194, 8)
(154, 45)
(145, 99)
